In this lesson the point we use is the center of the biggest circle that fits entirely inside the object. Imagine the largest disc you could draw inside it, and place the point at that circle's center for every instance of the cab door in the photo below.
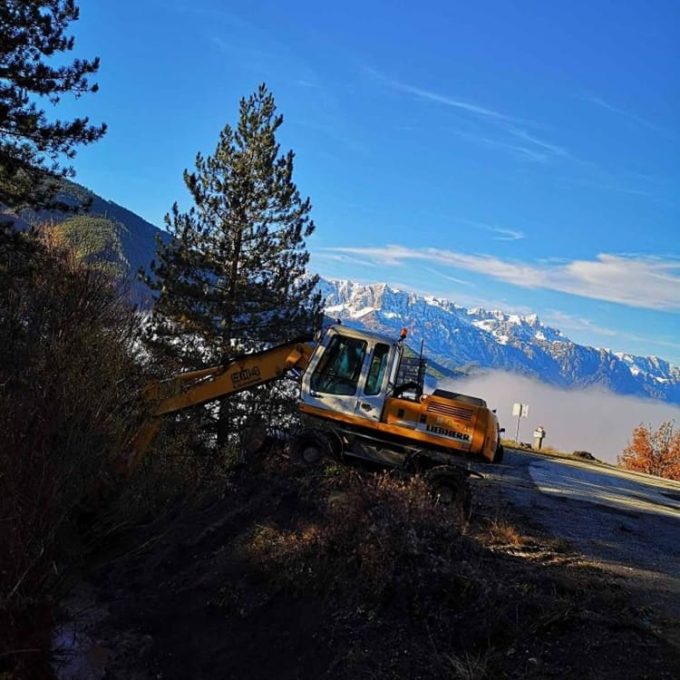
(374, 381)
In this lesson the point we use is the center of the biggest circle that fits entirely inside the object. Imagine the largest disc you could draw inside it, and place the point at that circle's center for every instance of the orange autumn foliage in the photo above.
(655, 452)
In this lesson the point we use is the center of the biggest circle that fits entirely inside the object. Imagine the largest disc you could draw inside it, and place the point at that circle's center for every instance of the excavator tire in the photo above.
(500, 452)
(450, 487)
(310, 448)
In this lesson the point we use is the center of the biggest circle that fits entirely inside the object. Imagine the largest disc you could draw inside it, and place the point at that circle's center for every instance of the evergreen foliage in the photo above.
(32, 147)
(95, 241)
(232, 277)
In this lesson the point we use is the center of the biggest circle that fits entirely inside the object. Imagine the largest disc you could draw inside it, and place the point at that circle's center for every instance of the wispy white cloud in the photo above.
(598, 101)
(654, 341)
(532, 147)
(607, 184)
(252, 57)
(219, 42)
(450, 101)
(334, 130)
(323, 254)
(552, 149)
(643, 282)
(524, 152)
(503, 234)
(572, 322)
(448, 277)
(453, 102)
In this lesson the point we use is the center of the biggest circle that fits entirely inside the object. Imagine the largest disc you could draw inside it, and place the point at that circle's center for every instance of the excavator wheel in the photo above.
(450, 487)
(500, 452)
(310, 448)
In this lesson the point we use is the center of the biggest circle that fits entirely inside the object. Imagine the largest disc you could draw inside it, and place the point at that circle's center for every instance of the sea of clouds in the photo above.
(591, 419)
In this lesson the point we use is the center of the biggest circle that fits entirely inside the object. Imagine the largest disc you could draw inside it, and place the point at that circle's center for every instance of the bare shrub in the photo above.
(654, 452)
(501, 532)
(467, 666)
(67, 380)
(178, 466)
(421, 593)
(352, 546)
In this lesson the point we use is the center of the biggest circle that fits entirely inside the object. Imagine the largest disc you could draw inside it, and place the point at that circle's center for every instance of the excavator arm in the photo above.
(194, 388)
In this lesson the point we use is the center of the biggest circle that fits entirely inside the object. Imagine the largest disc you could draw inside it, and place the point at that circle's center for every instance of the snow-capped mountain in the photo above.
(477, 339)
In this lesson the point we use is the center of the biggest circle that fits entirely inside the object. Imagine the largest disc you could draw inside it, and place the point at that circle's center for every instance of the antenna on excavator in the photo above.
(421, 370)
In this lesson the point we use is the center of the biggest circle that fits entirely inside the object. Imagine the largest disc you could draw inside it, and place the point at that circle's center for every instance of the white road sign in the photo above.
(520, 410)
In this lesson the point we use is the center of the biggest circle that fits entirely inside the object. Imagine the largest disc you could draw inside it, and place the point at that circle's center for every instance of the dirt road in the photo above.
(628, 523)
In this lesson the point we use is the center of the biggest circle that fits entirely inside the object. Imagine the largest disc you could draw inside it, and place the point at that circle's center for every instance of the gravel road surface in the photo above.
(627, 523)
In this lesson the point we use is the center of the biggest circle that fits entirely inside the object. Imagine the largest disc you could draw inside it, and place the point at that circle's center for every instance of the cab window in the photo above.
(340, 366)
(376, 371)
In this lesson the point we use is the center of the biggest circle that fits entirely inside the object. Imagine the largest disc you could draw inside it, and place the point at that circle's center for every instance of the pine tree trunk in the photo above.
(225, 422)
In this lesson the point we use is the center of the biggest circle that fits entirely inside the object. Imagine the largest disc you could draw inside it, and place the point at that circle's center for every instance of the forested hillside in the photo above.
(103, 229)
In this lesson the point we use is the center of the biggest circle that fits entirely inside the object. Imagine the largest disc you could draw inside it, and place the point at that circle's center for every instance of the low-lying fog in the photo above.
(592, 419)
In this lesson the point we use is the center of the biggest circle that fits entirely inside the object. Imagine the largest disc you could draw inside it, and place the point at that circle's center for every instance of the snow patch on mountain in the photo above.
(477, 339)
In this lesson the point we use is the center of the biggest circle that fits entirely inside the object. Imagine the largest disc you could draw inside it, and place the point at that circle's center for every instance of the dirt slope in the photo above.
(339, 573)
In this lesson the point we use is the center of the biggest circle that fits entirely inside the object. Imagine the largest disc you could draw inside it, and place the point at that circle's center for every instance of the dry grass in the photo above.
(349, 574)
(468, 666)
(389, 562)
(355, 518)
(504, 533)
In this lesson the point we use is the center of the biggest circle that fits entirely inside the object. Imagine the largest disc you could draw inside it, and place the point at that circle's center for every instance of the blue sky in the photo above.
(522, 156)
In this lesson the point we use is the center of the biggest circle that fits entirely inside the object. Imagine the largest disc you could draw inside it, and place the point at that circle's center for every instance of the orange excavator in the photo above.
(360, 395)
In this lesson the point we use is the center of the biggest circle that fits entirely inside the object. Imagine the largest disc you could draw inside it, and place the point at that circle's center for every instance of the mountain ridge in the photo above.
(478, 339)
(136, 235)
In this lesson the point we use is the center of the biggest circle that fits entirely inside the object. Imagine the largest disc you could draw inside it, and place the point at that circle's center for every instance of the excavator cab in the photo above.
(351, 372)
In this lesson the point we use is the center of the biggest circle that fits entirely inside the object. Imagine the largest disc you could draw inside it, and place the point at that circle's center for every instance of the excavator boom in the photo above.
(200, 387)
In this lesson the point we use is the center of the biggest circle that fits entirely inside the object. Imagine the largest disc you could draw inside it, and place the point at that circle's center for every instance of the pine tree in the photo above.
(232, 277)
(32, 148)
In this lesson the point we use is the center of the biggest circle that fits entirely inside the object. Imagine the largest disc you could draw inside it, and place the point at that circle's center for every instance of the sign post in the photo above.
(539, 436)
(521, 411)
